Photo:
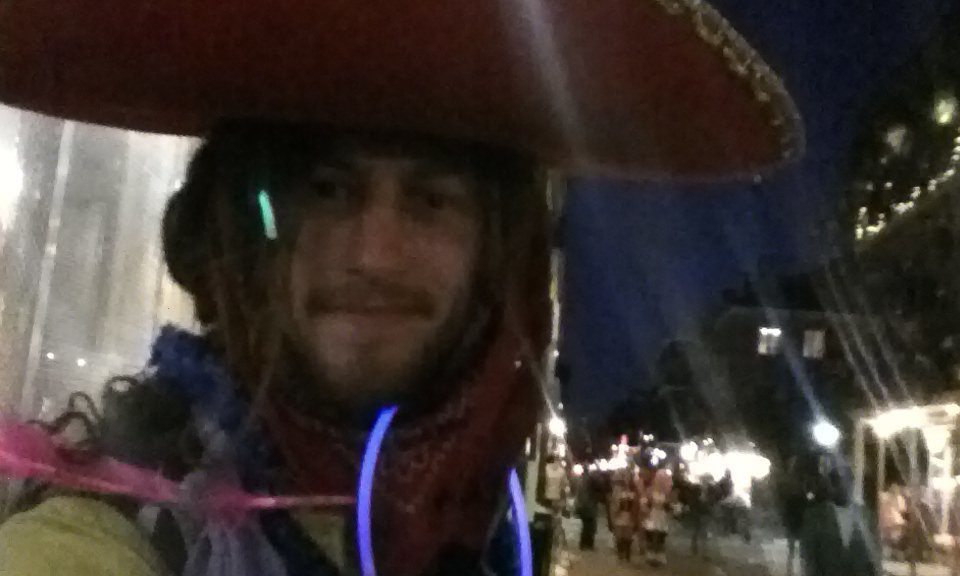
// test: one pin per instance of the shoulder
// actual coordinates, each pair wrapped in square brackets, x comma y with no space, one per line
[75,535]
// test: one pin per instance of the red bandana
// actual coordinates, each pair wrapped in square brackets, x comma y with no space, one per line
[439,481]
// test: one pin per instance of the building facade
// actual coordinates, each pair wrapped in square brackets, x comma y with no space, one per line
[83,288]
[784,362]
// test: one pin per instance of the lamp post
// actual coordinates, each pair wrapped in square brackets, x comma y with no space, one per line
[826,434]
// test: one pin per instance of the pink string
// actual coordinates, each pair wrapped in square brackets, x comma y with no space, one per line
[28,451]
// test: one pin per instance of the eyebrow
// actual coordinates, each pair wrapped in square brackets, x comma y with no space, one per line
[340,163]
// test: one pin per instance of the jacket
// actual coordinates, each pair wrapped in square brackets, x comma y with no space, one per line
[822,547]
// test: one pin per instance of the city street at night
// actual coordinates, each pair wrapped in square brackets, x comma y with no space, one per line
[730,557]
[464,288]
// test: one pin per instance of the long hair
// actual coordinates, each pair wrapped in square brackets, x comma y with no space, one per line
[216,249]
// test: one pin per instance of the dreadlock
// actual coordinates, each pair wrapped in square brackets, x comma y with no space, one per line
[215,247]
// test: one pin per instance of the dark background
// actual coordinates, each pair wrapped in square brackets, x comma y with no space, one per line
[646,261]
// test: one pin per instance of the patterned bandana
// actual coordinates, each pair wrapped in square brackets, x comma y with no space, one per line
[441,479]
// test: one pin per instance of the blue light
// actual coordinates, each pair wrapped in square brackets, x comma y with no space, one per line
[365,490]
[520,525]
[266,215]
[368,468]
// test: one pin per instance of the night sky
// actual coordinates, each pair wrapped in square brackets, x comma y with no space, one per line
[645,261]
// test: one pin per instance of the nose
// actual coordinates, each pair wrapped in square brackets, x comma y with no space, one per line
[379,239]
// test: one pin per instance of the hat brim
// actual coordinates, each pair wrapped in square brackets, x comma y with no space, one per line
[643,88]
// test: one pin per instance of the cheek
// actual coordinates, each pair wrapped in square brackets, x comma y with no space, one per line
[298,283]
[318,246]
[448,264]
[307,259]
[318,243]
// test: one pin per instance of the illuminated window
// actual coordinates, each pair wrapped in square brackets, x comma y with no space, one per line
[896,138]
[945,108]
[813,344]
[769,342]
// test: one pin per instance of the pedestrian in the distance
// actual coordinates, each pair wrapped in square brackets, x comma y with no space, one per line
[919,524]
[624,511]
[700,507]
[587,509]
[837,538]
[657,524]
[555,484]
[793,498]
[892,519]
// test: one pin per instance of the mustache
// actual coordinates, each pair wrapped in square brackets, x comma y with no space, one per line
[368,296]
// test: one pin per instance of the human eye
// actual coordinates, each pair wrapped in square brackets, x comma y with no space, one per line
[440,194]
[331,185]
[435,198]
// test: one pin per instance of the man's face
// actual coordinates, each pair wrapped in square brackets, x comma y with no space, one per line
[382,270]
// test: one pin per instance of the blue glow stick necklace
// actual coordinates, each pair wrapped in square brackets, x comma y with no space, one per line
[368,467]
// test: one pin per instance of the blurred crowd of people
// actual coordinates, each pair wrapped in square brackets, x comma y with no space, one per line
[828,533]
[639,506]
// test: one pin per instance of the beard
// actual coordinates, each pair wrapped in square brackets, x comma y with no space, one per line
[429,373]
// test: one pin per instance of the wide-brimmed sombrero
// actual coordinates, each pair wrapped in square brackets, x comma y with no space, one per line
[631,87]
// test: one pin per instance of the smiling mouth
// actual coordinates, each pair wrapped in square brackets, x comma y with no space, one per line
[372,310]
[378,316]
[366,323]
[360,305]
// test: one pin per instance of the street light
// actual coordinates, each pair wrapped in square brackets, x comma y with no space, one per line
[557,426]
[826,434]
[688,452]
